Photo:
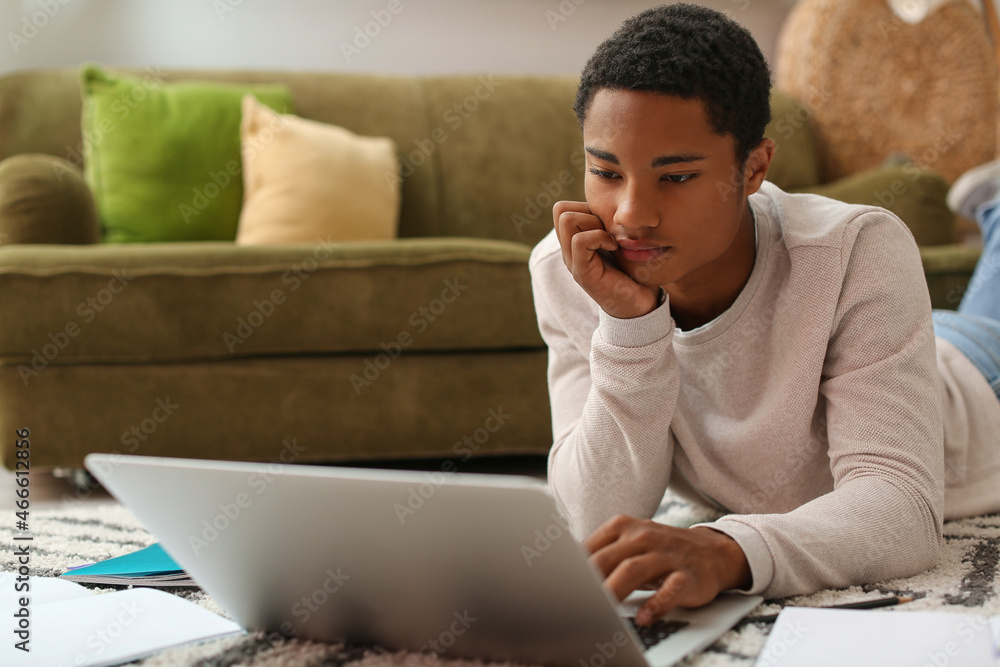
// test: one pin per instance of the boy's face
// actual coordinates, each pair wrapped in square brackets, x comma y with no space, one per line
[659,176]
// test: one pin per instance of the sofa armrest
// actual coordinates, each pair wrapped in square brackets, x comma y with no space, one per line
[44,199]
[915,195]
[948,269]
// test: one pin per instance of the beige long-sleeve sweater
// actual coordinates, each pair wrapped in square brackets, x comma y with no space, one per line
[817,410]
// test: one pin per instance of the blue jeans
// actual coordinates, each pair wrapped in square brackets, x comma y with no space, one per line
[975,327]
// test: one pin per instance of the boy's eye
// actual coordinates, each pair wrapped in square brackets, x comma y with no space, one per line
[672,178]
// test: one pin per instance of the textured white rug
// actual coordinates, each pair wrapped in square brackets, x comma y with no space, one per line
[965,581]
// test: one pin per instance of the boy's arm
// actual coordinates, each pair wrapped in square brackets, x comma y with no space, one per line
[612,396]
[883,519]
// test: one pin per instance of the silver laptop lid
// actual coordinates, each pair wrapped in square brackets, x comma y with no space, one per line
[465,565]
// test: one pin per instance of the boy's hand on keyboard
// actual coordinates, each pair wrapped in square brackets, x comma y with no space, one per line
[688,567]
[586,250]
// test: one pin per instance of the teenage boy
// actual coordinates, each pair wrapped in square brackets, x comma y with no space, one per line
[769,355]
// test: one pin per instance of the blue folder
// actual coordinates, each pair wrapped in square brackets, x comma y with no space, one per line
[151,566]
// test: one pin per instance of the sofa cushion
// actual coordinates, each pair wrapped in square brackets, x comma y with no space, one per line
[795,163]
[163,159]
[304,180]
[508,147]
[44,199]
[948,269]
[190,301]
[915,195]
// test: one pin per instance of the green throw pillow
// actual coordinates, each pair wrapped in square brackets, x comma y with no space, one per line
[163,159]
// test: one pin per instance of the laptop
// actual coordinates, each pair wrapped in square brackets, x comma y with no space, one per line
[459,564]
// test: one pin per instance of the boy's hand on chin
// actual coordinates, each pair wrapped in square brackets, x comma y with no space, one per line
[689,567]
[581,235]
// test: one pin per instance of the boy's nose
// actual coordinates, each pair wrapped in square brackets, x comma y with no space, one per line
[634,210]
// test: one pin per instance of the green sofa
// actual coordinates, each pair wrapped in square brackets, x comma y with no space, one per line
[425,346]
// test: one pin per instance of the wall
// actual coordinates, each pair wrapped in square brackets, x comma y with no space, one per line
[422,37]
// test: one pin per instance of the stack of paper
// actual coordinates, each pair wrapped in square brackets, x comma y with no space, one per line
[151,566]
[66,624]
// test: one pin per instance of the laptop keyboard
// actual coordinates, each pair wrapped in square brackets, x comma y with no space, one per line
[651,635]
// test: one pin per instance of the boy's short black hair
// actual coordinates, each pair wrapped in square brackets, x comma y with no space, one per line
[690,52]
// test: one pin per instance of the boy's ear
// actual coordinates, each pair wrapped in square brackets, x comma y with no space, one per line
[757,164]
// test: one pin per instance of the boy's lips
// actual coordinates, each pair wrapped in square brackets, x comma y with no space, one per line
[640,251]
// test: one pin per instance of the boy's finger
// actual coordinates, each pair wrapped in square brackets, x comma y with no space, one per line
[665,598]
[607,558]
[609,532]
[584,247]
[634,572]
[571,223]
[561,207]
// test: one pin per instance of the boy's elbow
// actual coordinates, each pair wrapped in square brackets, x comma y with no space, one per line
[923,549]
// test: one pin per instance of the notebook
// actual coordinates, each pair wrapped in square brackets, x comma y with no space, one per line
[151,566]
[68,625]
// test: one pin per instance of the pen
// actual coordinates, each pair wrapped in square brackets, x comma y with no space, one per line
[864,604]
[872,604]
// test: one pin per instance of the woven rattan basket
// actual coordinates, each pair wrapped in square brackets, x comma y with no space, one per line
[875,85]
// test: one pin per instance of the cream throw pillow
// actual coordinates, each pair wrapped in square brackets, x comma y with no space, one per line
[306,181]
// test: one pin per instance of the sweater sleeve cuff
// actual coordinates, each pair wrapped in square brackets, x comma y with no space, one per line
[637,331]
[754,547]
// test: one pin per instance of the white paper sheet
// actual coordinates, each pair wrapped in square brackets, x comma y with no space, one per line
[73,627]
[43,589]
[834,637]
[995,624]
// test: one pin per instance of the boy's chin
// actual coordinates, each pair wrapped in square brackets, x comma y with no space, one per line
[642,275]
